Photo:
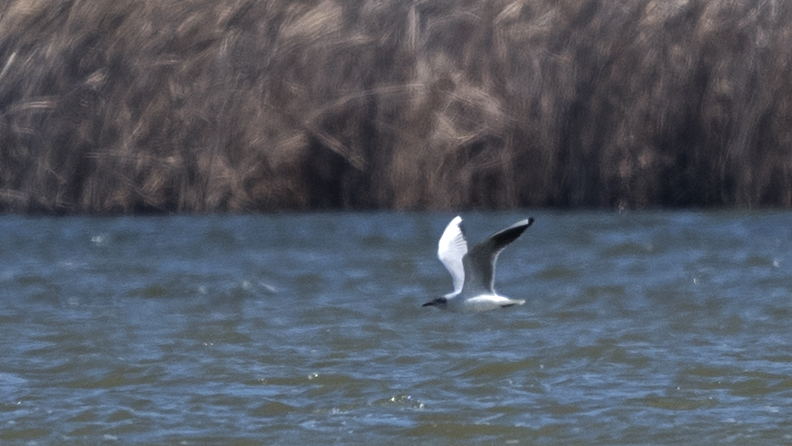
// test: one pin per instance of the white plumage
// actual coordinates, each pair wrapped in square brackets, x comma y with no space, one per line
[473,271]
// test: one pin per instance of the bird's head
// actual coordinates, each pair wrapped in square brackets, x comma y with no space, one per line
[440,302]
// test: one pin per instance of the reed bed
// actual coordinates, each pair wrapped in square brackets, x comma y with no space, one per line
[140,106]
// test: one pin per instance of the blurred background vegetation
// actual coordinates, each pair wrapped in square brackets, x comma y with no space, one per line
[130,106]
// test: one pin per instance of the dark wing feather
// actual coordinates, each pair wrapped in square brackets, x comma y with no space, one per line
[480,261]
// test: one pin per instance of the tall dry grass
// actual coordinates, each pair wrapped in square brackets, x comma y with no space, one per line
[258,105]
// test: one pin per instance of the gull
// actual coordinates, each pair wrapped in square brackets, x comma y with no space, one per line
[473,272]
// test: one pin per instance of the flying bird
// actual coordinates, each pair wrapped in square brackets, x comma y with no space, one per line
[473,271]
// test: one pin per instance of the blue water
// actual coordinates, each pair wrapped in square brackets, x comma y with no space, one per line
[638,328]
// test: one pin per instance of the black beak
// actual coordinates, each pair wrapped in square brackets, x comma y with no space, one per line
[430,304]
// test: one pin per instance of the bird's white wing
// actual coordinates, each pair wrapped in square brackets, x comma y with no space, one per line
[451,249]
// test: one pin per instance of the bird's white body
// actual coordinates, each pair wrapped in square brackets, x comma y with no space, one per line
[473,272]
[460,304]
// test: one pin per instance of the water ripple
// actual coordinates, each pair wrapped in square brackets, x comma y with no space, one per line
[658,327]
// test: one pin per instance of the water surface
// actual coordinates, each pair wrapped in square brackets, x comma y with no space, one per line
[639,328]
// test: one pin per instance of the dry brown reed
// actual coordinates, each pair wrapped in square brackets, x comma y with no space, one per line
[247,105]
